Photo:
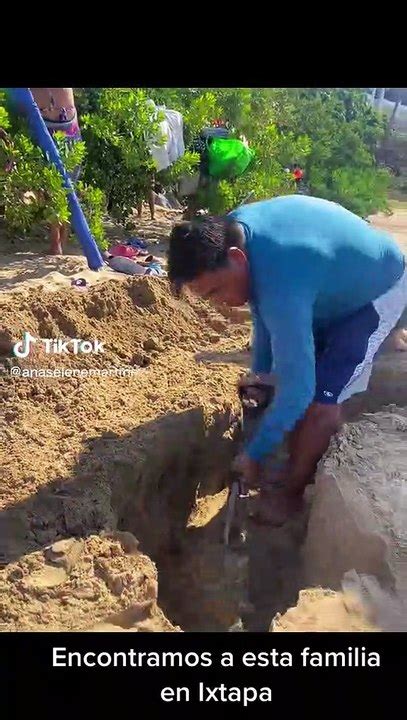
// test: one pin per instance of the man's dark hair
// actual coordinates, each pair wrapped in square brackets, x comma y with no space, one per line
[197,247]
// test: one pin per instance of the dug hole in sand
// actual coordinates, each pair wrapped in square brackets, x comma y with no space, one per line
[113,488]
[148,454]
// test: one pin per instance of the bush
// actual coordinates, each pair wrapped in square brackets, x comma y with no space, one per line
[332,133]
[118,136]
[363,191]
[259,116]
[344,132]
[93,203]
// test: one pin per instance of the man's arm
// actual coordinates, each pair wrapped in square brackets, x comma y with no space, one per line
[262,358]
[288,319]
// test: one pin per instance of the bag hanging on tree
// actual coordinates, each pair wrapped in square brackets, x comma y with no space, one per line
[228,157]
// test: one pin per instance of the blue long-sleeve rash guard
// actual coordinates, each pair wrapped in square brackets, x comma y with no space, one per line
[311,262]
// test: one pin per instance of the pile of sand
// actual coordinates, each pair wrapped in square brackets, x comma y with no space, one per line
[76,584]
[136,320]
[50,423]
[321,610]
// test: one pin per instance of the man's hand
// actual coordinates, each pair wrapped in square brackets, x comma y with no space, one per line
[248,469]
[252,384]
[255,379]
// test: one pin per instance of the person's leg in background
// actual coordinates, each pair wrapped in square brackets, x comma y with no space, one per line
[64,233]
[57,107]
[59,235]
[151,204]
[56,240]
[150,199]
[59,232]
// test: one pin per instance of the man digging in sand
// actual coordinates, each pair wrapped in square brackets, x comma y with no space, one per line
[325,289]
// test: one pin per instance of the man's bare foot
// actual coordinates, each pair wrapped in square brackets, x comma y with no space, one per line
[277,505]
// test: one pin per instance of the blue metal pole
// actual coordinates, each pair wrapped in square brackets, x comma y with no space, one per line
[25,103]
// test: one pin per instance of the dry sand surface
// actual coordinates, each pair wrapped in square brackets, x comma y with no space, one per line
[147,455]
[25,266]
[320,610]
[395,224]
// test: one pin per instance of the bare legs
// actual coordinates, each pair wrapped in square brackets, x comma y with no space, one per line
[309,441]
[58,236]
[282,495]
[399,339]
[151,204]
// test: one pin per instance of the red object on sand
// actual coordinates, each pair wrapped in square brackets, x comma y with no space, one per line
[124,251]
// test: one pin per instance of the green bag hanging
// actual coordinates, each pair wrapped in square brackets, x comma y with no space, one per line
[228,157]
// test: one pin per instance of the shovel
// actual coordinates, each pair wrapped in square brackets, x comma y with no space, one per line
[236,506]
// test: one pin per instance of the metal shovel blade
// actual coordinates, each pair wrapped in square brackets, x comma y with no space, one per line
[230,511]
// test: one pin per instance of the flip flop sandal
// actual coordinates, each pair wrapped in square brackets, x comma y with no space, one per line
[124,251]
[148,260]
[137,243]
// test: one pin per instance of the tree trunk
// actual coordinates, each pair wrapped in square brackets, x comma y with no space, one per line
[380,98]
[392,121]
[390,127]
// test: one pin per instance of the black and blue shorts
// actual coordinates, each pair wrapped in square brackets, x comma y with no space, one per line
[346,349]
